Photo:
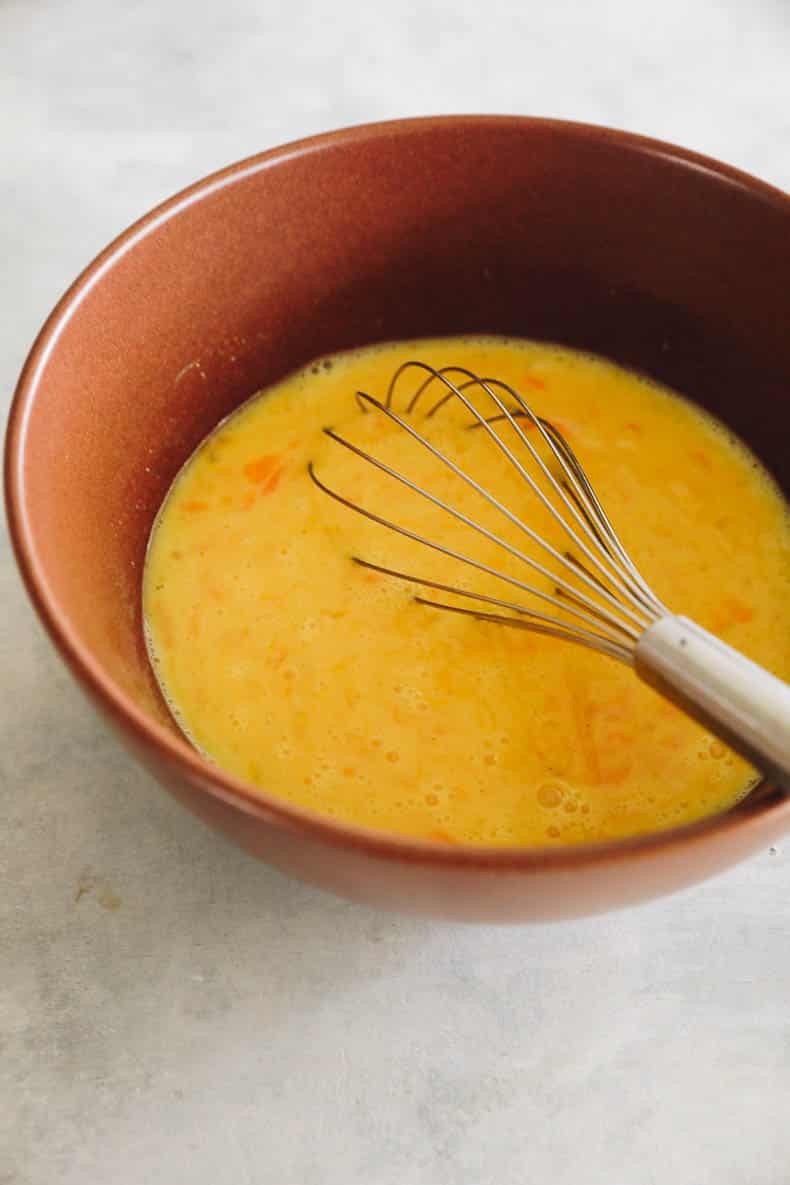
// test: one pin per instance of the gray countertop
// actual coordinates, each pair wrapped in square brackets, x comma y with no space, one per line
[173,1011]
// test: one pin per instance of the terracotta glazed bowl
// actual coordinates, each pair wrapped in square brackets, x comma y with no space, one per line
[653,256]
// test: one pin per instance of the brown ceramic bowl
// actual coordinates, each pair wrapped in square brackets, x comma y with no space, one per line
[656,257]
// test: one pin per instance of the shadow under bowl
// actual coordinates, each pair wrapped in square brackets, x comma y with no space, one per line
[653,256]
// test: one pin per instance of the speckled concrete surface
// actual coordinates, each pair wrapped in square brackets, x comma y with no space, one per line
[172,1011]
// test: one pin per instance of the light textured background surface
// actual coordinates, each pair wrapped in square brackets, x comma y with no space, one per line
[172,1011]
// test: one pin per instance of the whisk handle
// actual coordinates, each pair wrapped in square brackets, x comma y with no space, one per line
[732,696]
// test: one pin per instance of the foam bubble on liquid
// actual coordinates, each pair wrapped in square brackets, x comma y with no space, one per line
[550,794]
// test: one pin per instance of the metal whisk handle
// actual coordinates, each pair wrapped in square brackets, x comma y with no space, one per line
[728,693]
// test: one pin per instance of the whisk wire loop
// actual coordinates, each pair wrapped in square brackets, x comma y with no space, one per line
[609,605]
[626,626]
[588,513]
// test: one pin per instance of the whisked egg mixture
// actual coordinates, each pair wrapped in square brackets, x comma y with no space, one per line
[326,684]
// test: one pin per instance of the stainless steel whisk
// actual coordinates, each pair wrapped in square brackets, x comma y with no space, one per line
[606,604]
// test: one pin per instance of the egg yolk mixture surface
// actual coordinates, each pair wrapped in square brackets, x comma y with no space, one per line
[326,684]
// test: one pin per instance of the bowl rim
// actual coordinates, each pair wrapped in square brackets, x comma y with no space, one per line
[144,728]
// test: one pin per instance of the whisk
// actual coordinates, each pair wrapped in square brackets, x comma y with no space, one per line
[596,596]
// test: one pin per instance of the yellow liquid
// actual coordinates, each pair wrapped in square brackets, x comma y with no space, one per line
[327,685]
